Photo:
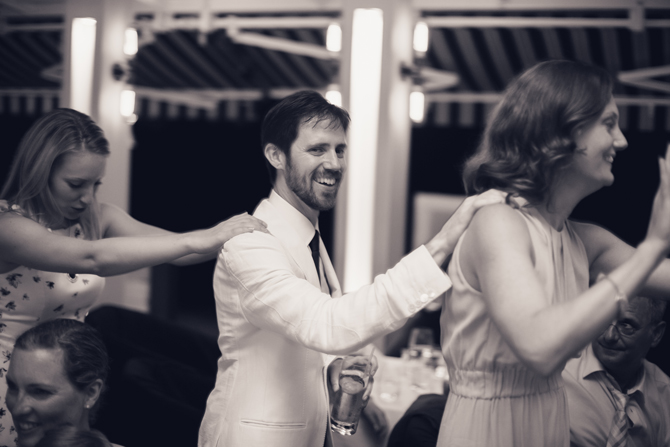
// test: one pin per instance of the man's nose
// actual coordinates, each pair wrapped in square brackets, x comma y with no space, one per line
[611,334]
[333,161]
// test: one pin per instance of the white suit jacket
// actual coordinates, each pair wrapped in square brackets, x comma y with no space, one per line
[275,323]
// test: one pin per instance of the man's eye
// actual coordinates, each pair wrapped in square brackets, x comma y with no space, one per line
[626,328]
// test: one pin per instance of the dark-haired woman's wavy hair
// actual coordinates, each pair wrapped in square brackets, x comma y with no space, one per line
[529,138]
[59,132]
[85,358]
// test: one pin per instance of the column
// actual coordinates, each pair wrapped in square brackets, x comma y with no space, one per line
[101,100]
[370,218]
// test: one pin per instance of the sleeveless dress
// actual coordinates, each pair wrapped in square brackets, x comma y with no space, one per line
[28,297]
[495,400]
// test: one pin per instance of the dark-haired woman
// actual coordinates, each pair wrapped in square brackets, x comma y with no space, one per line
[521,304]
[57,241]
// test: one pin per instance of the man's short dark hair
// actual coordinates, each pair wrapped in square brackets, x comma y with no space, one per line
[282,122]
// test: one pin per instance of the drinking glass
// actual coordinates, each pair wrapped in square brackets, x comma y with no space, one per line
[348,401]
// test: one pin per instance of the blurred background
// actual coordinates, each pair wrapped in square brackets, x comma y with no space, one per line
[181,86]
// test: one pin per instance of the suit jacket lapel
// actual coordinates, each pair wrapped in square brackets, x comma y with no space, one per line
[295,248]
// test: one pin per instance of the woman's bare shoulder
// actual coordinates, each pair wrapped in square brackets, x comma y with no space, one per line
[495,232]
[9,219]
[496,218]
[111,217]
[496,229]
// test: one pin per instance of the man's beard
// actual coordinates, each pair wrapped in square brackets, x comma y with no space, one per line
[305,191]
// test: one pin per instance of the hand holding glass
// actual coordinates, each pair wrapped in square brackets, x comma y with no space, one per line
[353,392]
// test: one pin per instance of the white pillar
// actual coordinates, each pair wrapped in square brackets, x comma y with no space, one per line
[379,230]
[112,18]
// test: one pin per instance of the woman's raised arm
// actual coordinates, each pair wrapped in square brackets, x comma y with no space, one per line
[498,259]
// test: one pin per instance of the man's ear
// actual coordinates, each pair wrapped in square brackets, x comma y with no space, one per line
[657,333]
[275,156]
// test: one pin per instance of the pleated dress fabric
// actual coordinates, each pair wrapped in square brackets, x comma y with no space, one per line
[495,401]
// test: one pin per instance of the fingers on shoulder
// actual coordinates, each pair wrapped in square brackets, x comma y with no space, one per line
[496,214]
[490,197]
[252,250]
[252,241]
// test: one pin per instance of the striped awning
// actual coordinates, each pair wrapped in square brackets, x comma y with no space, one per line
[191,74]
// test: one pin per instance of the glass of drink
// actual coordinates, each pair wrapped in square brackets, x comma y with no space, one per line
[348,401]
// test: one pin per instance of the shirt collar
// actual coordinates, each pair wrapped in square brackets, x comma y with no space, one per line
[591,366]
[301,224]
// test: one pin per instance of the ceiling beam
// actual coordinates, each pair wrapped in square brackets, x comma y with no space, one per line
[493,98]
[288,6]
[529,5]
[538,22]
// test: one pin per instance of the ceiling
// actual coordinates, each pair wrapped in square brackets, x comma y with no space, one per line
[186,70]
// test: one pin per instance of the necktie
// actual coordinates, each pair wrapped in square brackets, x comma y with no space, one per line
[618,435]
[314,246]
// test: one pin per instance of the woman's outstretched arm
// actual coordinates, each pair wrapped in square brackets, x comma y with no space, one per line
[118,223]
[25,242]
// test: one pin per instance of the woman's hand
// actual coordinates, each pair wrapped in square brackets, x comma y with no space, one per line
[444,242]
[659,223]
[212,239]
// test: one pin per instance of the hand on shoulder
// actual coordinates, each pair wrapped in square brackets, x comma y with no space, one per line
[443,244]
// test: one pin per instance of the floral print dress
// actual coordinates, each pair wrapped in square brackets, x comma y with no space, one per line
[28,297]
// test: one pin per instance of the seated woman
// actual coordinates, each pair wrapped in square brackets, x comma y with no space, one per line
[57,241]
[56,377]
[526,296]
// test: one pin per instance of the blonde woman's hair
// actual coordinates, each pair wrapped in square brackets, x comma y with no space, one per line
[59,132]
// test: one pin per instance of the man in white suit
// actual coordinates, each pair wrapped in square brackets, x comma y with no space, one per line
[279,303]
